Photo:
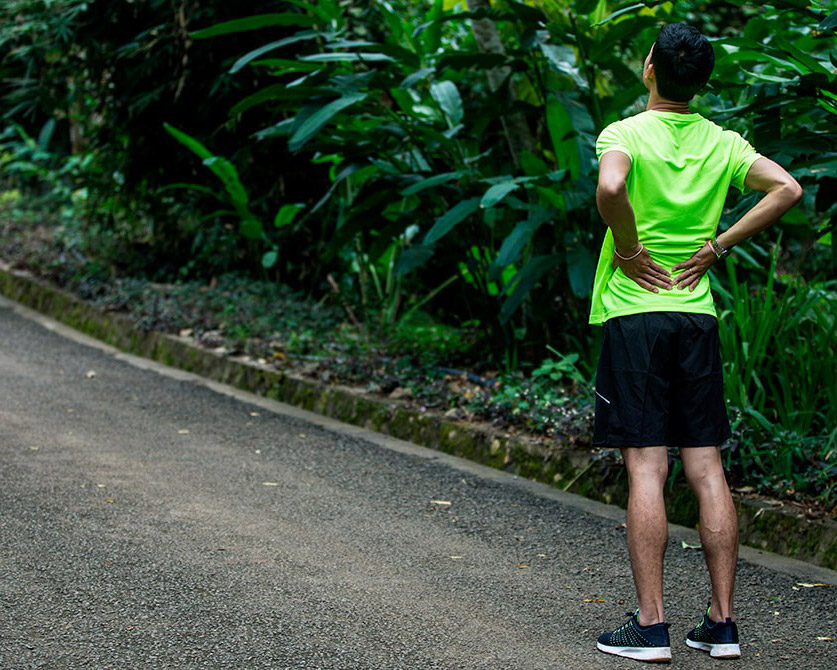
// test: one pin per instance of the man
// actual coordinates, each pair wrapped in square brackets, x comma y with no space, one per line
[663,177]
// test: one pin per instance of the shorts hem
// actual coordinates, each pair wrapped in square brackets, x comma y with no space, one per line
[615,444]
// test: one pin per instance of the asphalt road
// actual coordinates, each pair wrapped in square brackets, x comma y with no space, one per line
[151,522]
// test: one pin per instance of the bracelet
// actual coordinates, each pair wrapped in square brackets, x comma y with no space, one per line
[628,258]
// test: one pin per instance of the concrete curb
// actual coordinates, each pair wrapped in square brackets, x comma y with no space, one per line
[761,526]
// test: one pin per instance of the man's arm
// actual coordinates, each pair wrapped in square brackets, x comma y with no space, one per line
[783,192]
[615,208]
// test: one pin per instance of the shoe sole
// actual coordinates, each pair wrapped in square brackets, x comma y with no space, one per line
[716,650]
[650,654]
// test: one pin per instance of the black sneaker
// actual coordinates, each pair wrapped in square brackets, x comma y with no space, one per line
[643,643]
[719,638]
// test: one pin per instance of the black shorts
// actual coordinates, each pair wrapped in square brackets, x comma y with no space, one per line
[659,382]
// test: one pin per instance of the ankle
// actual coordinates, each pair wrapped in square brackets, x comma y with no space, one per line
[718,614]
[653,616]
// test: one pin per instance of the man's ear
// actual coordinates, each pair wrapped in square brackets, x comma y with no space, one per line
[650,71]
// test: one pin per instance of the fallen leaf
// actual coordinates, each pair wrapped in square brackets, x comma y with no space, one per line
[110,501]
[686,545]
[302,434]
[254,414]
[34,448]
[90,374]
[522,565]
[825,639]
[270,483]
[592,600]
[811,586]
[541,555]
[456,558]
[185,332]
[440,502]
[183,431]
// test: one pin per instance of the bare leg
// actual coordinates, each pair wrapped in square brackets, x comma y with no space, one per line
[647,528]
[718,524]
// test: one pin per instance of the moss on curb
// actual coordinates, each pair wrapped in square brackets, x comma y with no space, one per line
[761,525]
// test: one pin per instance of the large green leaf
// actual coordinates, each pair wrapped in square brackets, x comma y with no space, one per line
[514,243]
[433,34]
[226,172]
[561,131]
[447,96]
[272,46]
[445,223]
[562,59]
[286,214]
[580,268]
[188,141]
[320,118]
[829,22]
[268,93]
[254,23]
[413,257]
[346,56]
[620,12]
[497,192]
[525,280]
[435,180]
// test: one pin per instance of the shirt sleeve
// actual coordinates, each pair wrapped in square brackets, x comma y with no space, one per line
[742,156]
[613,138]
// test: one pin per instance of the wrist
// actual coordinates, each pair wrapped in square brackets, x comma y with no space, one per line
[632,255]
[717,248]
[627,248]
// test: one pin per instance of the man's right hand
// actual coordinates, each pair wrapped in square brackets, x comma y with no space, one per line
[643,270]
[692,270]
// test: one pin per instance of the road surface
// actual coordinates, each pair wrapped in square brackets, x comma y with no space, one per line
[149,521]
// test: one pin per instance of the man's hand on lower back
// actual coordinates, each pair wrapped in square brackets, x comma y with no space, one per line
[644,271]
[692,270]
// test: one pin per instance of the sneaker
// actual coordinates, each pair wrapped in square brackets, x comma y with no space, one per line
[643,643]
[719,638]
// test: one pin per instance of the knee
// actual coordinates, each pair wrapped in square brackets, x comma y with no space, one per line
[648,475]
[706,478]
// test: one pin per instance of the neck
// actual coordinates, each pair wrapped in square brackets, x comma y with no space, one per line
[656,103]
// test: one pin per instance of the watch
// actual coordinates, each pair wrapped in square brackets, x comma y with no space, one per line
[720,252]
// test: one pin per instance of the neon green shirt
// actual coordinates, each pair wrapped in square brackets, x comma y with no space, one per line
[681,168]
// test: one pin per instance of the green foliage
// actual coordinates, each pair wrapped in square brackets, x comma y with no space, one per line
[551,401]
[779,348]
[426,171]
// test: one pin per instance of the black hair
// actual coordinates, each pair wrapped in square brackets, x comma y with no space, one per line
[683,60]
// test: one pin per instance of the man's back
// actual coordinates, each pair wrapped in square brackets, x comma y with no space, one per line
[681,168]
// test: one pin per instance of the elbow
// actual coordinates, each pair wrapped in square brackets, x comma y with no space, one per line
[611,190]
[794,192]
